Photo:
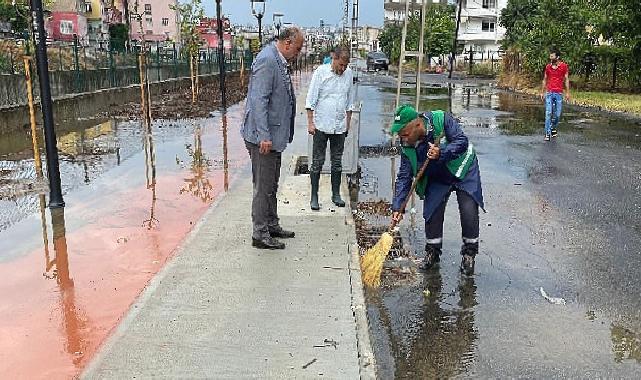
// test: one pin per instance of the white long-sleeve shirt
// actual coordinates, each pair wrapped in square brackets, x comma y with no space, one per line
[330,96]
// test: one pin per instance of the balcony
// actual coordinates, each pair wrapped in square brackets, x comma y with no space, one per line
[480,12]
[479,35]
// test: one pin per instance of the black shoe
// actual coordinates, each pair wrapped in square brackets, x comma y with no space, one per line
[467,265]
[555,133]
[267,243]
[432,256]
[546,138]
[336,189]
[469,252]
[281,233]
[315,179]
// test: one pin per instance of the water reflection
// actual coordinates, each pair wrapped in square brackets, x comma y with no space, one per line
[199,184]
[57,268]
[225,153]
[429,336]
[150,175]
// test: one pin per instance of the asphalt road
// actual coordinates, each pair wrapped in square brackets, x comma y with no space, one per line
[562,215]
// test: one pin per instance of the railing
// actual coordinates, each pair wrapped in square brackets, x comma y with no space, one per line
[76,69]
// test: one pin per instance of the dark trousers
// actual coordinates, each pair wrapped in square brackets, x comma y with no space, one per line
[469,213]
[265,177]
[336,147]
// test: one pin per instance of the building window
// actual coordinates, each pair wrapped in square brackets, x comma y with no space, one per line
[488,26]
[489,4]
[150,22]
[147,9]
[66,27]
[165,21]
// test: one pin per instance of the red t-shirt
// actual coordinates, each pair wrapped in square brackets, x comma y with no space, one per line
[556,77]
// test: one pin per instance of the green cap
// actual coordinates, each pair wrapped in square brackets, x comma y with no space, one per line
[403,115]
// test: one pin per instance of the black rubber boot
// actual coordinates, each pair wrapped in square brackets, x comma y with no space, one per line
[432,256]
[469,252]
[315,179]
[336,189]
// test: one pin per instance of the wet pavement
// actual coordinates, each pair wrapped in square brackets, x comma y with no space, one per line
[132,196]
[562,216]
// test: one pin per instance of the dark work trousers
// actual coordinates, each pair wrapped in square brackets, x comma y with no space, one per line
[265,177]
[469,213]
[336,147]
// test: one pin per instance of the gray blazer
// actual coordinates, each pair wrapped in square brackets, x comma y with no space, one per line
[271,103]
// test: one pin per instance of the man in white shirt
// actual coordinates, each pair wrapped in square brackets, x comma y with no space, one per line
[330,102]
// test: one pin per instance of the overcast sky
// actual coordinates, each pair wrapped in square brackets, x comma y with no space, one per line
[299,12]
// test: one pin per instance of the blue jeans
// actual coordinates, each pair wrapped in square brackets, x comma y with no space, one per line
[553,106]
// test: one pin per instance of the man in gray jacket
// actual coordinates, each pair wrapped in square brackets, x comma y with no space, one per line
[267,129]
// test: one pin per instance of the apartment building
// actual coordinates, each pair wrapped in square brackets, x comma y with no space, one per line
[68,20]
[479,29]
[395,9]
[159,21]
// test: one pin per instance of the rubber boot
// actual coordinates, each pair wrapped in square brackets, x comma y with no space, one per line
[432,256]
[469,252]
[336,189]
[315,179]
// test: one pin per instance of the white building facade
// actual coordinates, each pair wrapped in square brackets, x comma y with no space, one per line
[479,30]
[395,9]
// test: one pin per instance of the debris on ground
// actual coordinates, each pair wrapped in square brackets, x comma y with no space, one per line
[552,300]
[178,105]
[310,363]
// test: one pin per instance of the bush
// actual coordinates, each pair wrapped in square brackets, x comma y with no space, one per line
[484,70]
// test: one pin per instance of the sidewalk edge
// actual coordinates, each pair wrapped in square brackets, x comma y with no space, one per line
[366,359]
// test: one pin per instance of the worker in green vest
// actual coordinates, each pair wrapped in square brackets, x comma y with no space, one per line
[453,167]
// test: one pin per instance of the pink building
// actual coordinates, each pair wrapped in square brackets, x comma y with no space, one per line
[208,30]
[68,19]
[159,22]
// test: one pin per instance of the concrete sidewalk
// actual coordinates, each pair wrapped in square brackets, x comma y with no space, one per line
[222,309]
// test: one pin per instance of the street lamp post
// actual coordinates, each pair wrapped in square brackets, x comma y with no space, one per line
[258,10]
[221,57]
[278,22]
[53,164]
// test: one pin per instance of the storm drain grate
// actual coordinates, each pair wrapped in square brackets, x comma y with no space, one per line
[372,220]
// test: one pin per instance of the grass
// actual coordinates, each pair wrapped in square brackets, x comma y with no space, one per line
[630,103]
[608,101]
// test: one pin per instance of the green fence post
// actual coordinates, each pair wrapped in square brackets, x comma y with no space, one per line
[76,64]
[112,69]
[175,58]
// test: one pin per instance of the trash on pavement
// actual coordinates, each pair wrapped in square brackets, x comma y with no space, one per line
[553,300]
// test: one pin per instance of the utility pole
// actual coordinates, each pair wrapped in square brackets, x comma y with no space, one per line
[53,164]
[458,24]
[221,57]
[345,18]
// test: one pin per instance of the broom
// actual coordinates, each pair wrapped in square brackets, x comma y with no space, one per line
[373,259]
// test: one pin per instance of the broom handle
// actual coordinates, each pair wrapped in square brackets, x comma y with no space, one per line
[419,175]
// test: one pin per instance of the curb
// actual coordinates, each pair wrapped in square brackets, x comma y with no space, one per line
[366,358]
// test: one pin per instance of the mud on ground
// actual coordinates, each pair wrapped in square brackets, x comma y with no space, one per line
[178,105]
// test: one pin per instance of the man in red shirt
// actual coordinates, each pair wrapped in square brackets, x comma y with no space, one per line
[556,74]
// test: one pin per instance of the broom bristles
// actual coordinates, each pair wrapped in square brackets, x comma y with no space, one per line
[372,261]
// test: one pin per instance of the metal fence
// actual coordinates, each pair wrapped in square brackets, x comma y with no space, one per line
[77,69]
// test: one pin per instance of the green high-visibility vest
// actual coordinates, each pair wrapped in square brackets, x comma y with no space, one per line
[458,166]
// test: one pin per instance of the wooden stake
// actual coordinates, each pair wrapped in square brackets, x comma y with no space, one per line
[193,82]
[32,117]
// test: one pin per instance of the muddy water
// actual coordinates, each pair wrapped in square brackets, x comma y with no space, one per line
[562,216]
[132,195]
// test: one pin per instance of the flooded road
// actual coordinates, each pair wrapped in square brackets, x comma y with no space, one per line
[132,196]
[562,216]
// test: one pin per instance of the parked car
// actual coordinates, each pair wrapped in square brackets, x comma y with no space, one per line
[377,60]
